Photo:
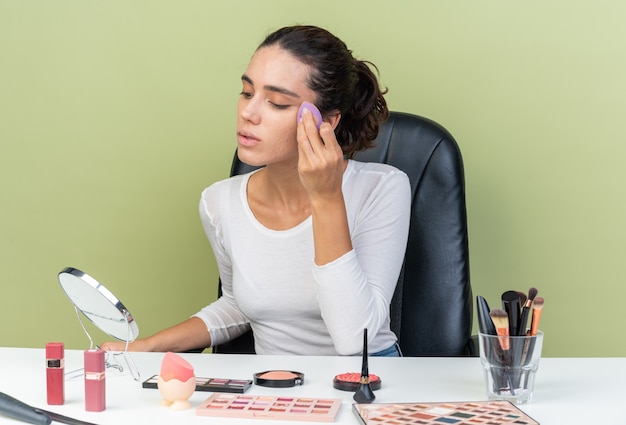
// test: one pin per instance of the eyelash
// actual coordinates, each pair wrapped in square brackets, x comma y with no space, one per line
[248,95]
[279,107]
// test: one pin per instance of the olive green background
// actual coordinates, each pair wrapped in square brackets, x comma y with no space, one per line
[114,115]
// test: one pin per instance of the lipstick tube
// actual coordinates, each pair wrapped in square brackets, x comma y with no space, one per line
[55,369]
[95,382]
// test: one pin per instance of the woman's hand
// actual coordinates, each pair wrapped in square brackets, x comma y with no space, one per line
[114,346]
[187,335]
[321,162]
[321,166]
[121,346]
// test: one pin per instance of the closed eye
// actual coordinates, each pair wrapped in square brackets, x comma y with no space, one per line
[278,105]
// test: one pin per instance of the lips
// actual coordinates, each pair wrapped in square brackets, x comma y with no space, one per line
[247,139]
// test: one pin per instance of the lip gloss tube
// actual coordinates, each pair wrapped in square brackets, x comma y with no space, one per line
[55,368]
[95,382]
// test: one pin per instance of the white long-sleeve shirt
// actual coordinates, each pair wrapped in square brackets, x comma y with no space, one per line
[271,283]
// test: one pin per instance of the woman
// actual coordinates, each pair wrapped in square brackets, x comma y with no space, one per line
[309,247]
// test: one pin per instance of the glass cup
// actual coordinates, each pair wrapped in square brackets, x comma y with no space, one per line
[510,365]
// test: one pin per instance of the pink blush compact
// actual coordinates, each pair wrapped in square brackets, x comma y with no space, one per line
[350,381]
[278,378]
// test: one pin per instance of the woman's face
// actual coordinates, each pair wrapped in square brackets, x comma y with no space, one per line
[274,86]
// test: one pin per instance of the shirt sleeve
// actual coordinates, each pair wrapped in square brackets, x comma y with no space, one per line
[223,318]
[355,290]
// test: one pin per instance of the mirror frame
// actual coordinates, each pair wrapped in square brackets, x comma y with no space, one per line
[133,329]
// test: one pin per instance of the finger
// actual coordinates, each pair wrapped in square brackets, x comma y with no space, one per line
[304,146]
[311,146]
[329,139]
[311,130]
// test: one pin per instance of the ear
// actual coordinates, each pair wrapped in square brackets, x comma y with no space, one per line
[333,118]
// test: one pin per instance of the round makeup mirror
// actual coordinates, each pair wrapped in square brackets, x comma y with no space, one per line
[105,311]
[98,304]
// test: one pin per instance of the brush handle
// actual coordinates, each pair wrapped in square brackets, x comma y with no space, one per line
[523,321]
[496,356]
[510,304]
[534,324]
[364,366]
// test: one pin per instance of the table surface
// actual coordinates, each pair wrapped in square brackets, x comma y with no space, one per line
[567,390]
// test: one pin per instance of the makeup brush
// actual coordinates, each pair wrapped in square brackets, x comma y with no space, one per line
[537,309]
[485,324]
[532,293]
[364,393]
[510,303]
[529,344]
[501,322]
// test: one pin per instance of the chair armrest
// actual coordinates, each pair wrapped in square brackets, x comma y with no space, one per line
[472,346]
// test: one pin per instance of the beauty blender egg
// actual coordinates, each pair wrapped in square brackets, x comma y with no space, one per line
[316,113]
[175,367]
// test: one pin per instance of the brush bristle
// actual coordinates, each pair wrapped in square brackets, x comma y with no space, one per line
[532,293]
[538,303]
[500,318]
[522,298]
[501,322]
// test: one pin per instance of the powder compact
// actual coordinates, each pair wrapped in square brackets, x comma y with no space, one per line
[278,378]
[350,381]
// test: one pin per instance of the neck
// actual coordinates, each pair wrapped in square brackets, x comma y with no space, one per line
[277,198]
[281,185]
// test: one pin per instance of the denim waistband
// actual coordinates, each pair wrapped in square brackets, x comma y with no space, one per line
[393,351]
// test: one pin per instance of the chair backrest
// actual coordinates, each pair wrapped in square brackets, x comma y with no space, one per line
[431,311]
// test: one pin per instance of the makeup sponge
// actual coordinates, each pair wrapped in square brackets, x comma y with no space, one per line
[175,367]
[316,113]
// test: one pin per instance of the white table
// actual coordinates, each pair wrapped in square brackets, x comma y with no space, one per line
[568,391]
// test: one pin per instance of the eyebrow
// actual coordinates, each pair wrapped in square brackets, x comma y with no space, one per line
[276,89]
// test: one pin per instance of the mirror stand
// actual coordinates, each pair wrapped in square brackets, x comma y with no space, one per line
[110,359]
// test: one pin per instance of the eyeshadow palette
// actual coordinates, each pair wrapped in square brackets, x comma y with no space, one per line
[270,407]
[209,384]
[458,413]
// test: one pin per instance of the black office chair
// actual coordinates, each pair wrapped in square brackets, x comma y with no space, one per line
[431,311]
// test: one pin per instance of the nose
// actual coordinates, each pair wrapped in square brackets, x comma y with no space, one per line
[249,110]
